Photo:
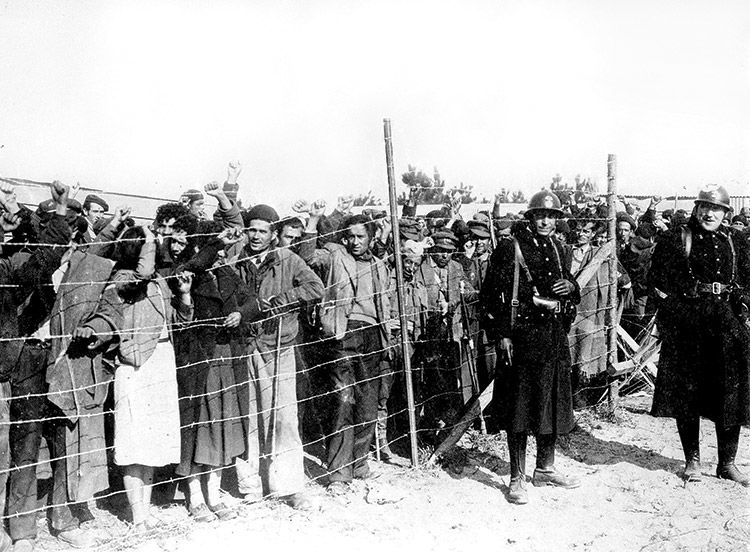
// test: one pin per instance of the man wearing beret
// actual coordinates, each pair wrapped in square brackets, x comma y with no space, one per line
[278,283]
[701,276]
[195,202]
[94,209]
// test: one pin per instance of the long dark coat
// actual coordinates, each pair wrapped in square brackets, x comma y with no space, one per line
[210,400]
[534,393]
[704,365]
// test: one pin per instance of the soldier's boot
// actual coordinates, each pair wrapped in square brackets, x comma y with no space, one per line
[545,473]
[517,493]
[689,430]
[728,439]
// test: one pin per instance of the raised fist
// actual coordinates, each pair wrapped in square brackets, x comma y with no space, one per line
[59,192]
[213,189]
[301,206]
[233,171]
[230,236]
[318,208]
[9,222]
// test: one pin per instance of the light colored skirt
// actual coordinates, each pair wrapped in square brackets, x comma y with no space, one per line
[147,419]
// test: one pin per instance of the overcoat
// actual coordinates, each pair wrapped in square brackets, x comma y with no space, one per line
[533,392]
[704,364]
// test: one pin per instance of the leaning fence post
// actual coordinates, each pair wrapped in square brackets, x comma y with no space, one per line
[400,291]
[613,391]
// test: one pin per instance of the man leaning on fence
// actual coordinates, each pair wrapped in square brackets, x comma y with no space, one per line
[701,273]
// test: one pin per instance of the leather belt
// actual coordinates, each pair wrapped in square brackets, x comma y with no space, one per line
[714,288]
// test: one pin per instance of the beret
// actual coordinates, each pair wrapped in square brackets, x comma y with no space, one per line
[622,216]
[193,195]
[262,212]
[93,198]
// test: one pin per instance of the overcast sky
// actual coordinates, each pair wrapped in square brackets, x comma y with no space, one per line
[155,97]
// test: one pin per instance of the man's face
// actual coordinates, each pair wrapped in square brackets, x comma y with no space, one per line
[178,241]
[738,226]
[585,233]
[164,227]
[260,235]
[544,222]
[442,258]
[289,236]
[624,231]
[411,265]
[197,208]
[709,216]
[94,213]
[357,240]
[482,245]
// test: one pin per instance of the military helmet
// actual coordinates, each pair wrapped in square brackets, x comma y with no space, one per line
[544,201]
[715,195]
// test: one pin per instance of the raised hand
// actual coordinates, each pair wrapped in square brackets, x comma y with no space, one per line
[301,206]
[8,197]
[59,192]
[9,221]
[318,208]
[345,203]
[121,213]
[213,189]
[230,236]
[233,171]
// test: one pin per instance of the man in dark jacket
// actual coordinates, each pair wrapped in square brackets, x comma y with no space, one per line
[702,278]
[529,294]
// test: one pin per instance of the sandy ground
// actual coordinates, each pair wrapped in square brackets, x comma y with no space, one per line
[631,498]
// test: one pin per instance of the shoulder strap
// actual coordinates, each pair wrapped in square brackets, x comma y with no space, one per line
[734,259]
[687,240]
[514,300]
[522,261]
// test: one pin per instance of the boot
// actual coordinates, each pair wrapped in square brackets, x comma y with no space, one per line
[545,472]
[728,439]
[517,493]
[689,430]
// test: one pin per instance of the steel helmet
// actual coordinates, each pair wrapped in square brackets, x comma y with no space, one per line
[715,195]
[544,201]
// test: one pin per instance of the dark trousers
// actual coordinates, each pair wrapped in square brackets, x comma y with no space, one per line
[25,440]
[354,377]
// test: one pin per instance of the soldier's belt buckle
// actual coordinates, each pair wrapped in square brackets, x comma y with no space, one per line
[514,303]
[716,288]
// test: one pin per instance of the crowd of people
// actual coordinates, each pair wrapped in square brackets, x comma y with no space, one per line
[194,346]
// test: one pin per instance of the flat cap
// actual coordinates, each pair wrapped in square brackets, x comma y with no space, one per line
[445,240]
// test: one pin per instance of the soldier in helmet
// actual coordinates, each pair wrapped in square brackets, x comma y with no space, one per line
[531,297]
[701,273]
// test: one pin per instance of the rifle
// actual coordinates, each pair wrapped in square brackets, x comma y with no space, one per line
[469,342]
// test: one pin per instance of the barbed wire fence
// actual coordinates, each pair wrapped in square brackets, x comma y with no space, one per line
[424,404]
